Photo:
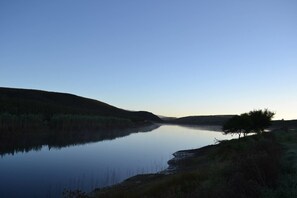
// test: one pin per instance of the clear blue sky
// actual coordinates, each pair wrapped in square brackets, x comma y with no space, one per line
[173,58]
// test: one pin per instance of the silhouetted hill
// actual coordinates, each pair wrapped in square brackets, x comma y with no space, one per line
[26,101]
[289,124]
[202,120]
[221,119]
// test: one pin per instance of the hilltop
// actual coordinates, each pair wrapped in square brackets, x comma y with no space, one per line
[27,101]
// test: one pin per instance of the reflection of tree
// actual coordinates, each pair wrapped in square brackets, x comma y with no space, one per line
[59,139]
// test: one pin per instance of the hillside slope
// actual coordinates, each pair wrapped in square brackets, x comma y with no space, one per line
[26,101]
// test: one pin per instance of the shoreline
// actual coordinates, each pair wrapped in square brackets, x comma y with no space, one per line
[210,170]
[177,164]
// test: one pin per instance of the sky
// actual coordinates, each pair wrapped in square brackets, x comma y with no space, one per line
[170,57]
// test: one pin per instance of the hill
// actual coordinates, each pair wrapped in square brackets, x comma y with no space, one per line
[284,124]
[31,111]
[32,118]
[221,119]
[26,101]
[202,120]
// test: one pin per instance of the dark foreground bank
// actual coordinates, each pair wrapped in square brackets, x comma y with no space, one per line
[255,166]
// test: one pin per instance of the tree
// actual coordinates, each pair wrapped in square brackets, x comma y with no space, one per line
[254,121]
[260,120]
[238,124]
[231,126]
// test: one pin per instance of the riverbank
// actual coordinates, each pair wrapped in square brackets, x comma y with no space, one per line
[254,166]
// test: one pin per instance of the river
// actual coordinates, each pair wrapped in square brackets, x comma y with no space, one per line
[48,170]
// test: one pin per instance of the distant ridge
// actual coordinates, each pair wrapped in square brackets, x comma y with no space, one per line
[221,119]
[29,101]
[284,124]
[202,120]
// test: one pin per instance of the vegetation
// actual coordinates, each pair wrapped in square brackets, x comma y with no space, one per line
[287,183]
[47,104]
[260,120]
[29,118]
[11,125]
[253,122]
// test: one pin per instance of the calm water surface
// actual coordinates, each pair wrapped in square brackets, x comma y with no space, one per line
[48,171]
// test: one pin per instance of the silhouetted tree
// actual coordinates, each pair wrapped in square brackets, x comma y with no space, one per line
[239,124]
[254,121]
[260,120]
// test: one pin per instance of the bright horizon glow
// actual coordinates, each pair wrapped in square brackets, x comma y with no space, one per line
[169,57]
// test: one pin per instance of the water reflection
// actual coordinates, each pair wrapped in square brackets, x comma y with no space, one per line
[58,139]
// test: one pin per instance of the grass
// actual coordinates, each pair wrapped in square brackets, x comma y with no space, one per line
[287,184]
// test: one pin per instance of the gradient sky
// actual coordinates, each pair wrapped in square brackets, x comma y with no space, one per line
[170,57]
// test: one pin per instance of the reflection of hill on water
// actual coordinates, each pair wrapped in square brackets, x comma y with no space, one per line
[60,139]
